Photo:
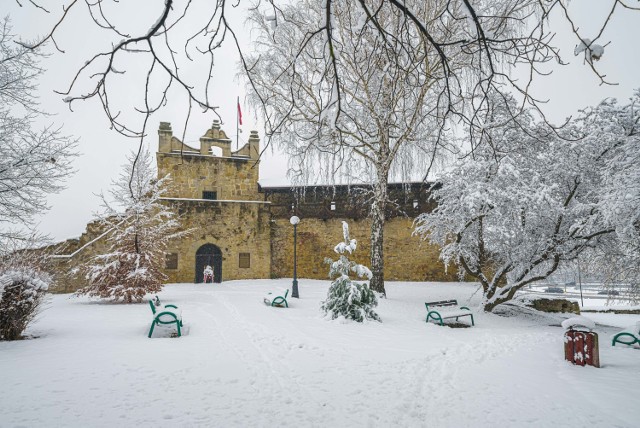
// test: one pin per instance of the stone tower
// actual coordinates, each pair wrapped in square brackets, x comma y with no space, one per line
[215,192]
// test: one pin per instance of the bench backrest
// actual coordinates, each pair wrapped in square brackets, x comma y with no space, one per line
[441,303]
[286,293]
[153,303]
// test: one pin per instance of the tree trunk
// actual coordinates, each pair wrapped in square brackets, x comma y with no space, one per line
[377,233]
[490,306]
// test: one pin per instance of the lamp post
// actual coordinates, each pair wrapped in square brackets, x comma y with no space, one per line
[294,290]
[580,283]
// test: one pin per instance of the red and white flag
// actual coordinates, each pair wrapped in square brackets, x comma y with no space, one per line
[239,112]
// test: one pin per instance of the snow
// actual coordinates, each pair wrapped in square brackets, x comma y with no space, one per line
[243,364]
[592,50]
[582,46]
[349,245]
[578,322]
[35,281]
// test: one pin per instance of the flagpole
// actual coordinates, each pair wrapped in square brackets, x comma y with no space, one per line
[237,124]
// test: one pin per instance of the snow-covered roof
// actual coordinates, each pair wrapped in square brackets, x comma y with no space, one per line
[281,183]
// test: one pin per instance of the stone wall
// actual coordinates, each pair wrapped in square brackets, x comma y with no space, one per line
[234,227]
[68,260]
[345,202]
[407,258]
[191,174]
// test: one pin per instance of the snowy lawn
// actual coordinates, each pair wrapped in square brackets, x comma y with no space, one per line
[244,364]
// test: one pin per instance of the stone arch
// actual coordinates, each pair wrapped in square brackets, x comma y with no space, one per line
[208,254]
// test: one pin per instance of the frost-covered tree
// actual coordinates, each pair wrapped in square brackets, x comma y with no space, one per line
[33,163]
[524,202]
[613,130]
[23,285]
[366,112]
[346,298]
[140,227]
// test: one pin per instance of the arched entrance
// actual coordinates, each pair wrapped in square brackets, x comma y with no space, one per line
[209,255]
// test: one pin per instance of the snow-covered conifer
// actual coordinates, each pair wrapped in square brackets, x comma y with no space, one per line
[347,298]
[140,231]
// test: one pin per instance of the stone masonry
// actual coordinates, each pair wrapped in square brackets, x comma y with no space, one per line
[243,230]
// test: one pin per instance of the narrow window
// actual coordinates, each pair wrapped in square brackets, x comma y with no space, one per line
[415,203]
[171,261]
[209,194]
[333,206]
[245,260]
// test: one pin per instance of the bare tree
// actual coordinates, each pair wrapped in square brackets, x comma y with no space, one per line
[33,163]
[171,35]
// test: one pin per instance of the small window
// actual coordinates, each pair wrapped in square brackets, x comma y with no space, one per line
[415,203]
[245,260]
[333,206]
[171,261]
[210,194]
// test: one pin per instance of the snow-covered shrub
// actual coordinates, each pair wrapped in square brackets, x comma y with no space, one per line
[140,230]
[22,290]
[346,298]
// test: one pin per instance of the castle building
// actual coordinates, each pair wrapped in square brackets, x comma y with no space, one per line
[242,229]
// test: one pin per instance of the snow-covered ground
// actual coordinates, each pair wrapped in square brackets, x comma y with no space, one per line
[243,364]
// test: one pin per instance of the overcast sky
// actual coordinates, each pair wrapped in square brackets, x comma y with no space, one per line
[103,150]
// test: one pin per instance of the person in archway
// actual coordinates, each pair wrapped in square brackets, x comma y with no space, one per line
[208,274]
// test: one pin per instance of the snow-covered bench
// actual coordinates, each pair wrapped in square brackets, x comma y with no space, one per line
[165,314]
[439,311]
[277,298]
[629,336]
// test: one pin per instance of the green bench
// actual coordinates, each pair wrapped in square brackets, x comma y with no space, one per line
[440,311]
[630,336]
[165,314]
[277,298]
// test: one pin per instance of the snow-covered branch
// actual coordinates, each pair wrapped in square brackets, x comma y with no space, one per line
[33,163]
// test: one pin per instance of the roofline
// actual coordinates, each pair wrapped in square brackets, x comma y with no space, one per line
[234,201]
[198,154]
[262,188]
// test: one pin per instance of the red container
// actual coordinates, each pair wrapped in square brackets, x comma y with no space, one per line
[581,348]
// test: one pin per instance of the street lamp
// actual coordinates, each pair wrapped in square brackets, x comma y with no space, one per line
[294,290]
